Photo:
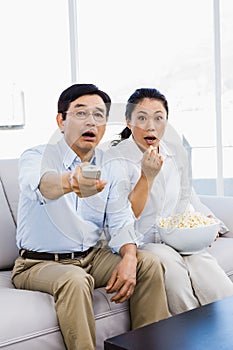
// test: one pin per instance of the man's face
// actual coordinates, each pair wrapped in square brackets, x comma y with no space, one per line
[85,124]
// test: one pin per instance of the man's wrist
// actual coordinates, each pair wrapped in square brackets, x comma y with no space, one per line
[129,250]
[67,182]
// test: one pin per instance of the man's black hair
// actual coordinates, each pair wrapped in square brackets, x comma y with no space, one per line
[77,90]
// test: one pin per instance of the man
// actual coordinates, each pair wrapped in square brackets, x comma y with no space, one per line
[59,249]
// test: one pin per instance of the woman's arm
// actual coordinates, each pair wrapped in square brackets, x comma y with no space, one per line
[150,167]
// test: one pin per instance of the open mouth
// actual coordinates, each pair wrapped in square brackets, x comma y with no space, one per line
[89,135]
[150,139]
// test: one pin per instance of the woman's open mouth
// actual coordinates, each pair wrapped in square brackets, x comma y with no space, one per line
[150,140]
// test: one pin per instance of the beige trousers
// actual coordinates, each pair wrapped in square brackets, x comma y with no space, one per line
[71,283]
[191,280]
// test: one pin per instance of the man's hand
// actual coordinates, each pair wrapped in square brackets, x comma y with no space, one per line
[85,187]
[123,279]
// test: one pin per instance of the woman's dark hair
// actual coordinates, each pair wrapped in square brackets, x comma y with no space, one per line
[77,90]
[134,99]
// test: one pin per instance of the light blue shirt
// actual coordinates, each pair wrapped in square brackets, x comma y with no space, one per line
[69,223]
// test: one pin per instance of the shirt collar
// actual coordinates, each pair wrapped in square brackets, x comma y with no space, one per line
[70,157]
[165,150]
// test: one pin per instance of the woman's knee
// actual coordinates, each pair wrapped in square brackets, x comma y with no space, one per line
[166,254]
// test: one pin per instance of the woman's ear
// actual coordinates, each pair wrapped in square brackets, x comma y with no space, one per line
[128,123]
[60,122]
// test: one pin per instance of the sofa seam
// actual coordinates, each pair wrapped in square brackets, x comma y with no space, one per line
[110,313]
[29,336]
[8,202]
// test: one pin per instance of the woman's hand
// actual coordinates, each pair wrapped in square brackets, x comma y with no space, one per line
[150,166]
[217,236]
[151,163]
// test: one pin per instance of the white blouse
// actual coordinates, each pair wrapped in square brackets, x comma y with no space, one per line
[172,190]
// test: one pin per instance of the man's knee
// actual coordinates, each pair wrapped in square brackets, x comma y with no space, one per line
[76,281]
[148,259]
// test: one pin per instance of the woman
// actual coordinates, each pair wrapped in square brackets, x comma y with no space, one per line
[155,176]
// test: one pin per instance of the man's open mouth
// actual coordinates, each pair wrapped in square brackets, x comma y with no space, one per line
[88,135]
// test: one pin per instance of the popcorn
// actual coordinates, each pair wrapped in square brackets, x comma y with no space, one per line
[153,149]
[187,220]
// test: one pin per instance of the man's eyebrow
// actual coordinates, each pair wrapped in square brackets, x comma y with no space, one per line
[100,109]
[83,105]
[80,105]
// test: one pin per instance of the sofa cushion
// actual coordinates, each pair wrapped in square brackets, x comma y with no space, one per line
[27,315]
[218,249]
[5,280]
[8,249]
[9,179]
[39,324]
[110,318]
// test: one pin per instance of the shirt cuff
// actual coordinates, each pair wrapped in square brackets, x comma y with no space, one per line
[124,236]
[223,228]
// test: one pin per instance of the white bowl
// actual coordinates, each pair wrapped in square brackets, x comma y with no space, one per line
[189,240]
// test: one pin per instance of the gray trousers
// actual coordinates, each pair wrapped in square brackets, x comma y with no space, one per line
[71,283]
[191,280]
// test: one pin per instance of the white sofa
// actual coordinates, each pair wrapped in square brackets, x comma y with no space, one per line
[28,318]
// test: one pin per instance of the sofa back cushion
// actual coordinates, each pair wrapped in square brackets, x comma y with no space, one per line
[9,193]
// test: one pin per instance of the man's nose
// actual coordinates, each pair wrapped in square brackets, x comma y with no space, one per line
[90,120]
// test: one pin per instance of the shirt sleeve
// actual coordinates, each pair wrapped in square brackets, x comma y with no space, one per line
[120,220]
[31,169]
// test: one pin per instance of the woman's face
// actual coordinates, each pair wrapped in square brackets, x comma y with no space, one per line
[148,123]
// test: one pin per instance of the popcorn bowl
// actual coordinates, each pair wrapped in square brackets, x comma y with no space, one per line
[188,240]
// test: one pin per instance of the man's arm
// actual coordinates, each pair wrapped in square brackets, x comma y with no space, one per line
[53,185]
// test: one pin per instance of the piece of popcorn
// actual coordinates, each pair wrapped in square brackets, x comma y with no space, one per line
[186,220]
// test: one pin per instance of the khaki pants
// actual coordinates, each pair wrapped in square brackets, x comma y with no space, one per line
[71,283]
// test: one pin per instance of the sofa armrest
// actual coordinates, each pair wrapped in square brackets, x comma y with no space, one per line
[222,207]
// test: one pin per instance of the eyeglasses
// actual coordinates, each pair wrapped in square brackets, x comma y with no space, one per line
[82,114]
[144,119]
